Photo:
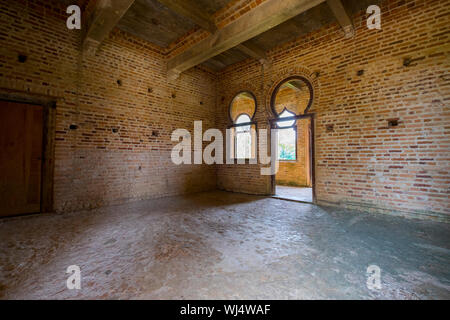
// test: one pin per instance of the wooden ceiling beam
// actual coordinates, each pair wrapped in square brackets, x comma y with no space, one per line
[219,65]
[253,50]
[294,85]
[342,17]
[256,21]
[191,10]
[106,15]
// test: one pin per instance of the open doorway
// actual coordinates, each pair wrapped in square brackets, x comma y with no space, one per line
[293,180]
[290,102]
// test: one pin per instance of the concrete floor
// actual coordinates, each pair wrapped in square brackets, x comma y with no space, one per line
[294,193]
[222,245]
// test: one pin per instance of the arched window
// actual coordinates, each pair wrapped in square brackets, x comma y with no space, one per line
[291,98]
[242,120]
[294,94]
[287,138]
[243,138]
[286,123]
[243,129]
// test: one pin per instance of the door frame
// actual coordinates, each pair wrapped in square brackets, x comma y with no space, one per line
[48,143]
[311,151]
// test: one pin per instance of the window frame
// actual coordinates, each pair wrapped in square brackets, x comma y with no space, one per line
[233,125]
[274,122]
[230,105]
[236,133]
[294,127]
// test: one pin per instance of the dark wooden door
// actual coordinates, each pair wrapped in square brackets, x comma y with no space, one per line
[21,130]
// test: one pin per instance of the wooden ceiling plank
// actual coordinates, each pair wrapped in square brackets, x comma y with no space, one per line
[191,10]
[258,20]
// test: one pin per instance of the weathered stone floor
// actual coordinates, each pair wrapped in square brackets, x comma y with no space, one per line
[294,193]
[221,245]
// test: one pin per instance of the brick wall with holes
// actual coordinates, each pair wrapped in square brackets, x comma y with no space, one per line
[119,103]
[387,149]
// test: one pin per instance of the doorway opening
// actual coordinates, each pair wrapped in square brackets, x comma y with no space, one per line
[290,102]
[293,180]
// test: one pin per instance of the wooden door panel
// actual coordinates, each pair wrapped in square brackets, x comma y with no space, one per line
[35,167]
[21,130]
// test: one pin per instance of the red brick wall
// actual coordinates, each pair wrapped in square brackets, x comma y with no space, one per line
[246,177]
[363,163]
[95,166]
